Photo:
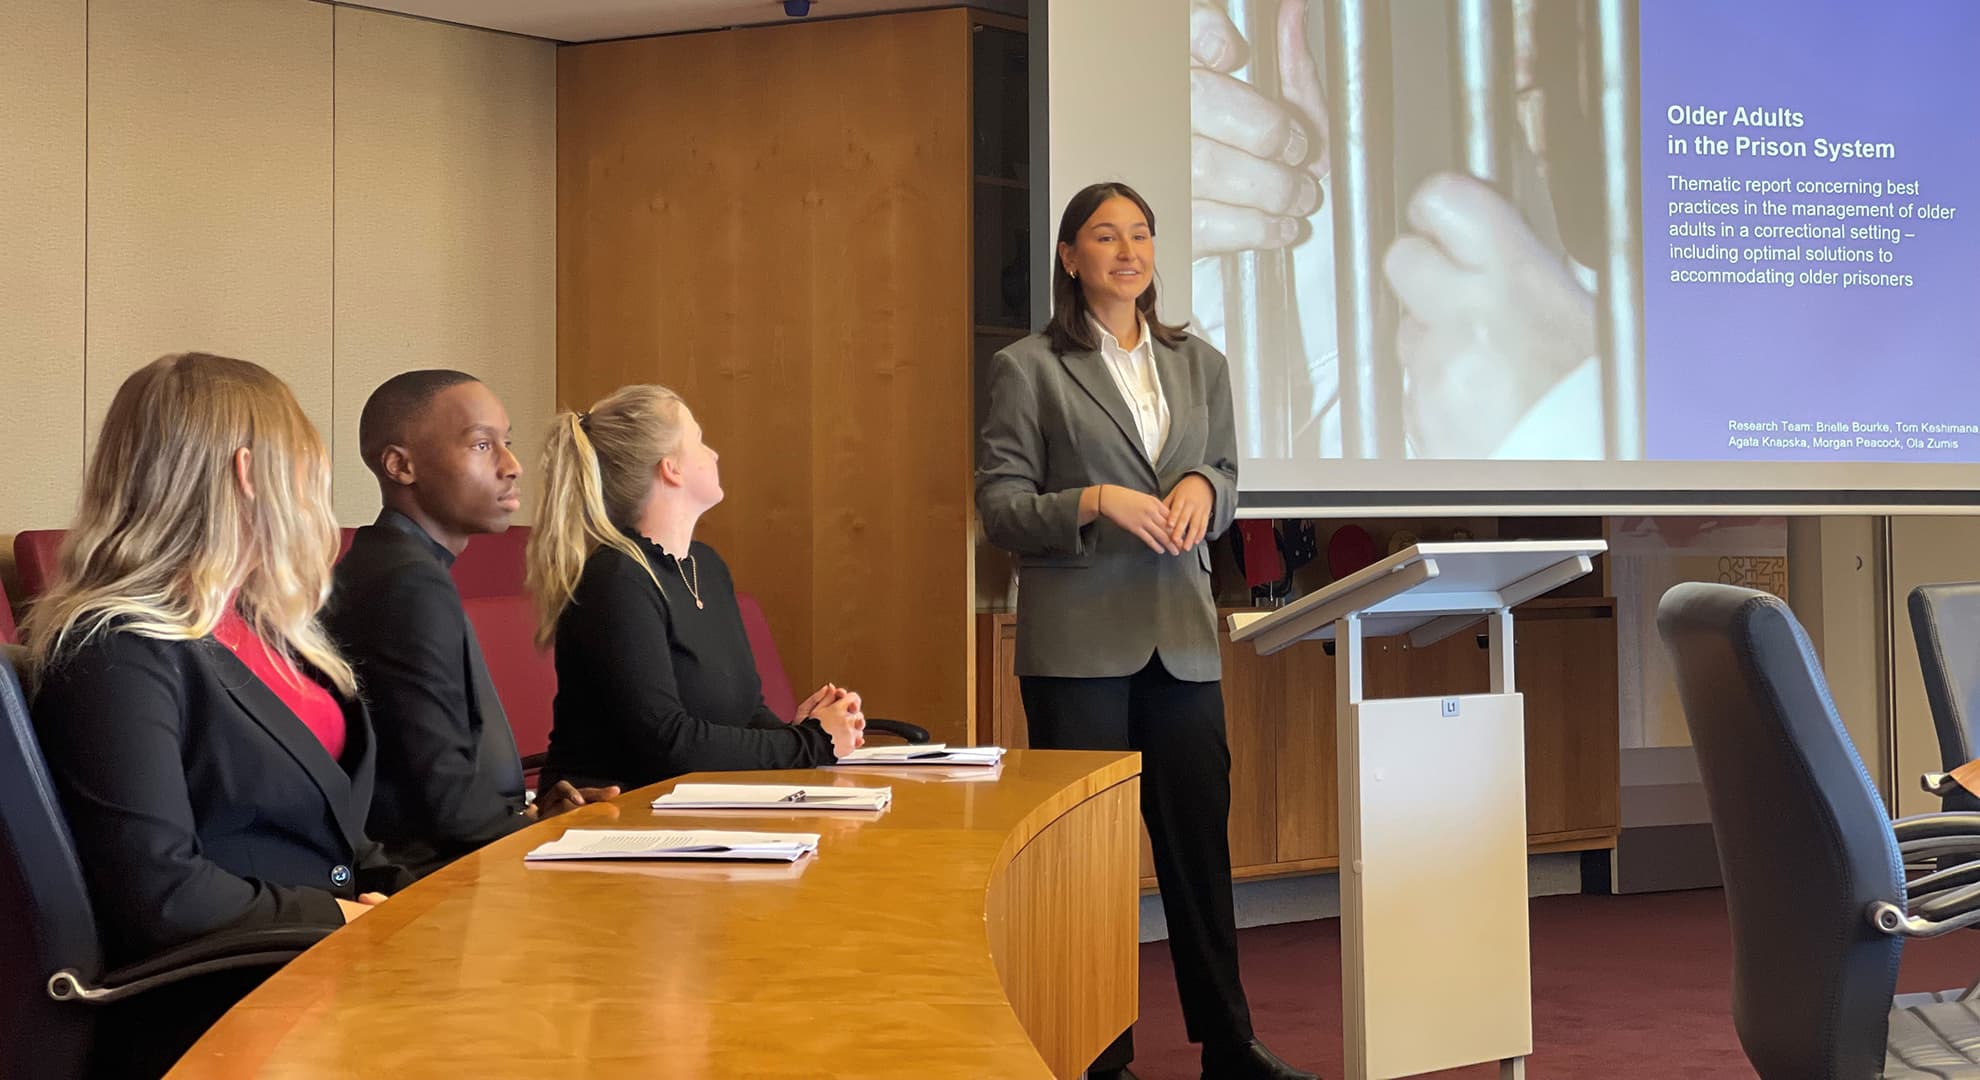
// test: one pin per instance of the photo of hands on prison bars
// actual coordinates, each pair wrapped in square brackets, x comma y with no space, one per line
[1399,229]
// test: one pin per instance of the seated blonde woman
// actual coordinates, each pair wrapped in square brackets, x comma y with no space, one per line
[654,672]
[205,739]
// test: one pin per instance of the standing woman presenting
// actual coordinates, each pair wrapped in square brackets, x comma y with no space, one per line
[1106,458]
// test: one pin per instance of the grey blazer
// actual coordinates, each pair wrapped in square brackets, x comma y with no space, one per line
[1095,602]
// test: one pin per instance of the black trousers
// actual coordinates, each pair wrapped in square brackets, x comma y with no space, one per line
[1186,800]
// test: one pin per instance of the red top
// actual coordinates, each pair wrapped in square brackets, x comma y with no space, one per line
[311,703]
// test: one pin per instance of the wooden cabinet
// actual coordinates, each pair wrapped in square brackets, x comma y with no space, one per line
[1280,720]
[1567,669]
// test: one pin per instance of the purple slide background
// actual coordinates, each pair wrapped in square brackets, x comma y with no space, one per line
[1901,72]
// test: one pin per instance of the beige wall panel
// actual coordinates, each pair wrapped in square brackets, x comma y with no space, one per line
[1835,586]
[209,189]
[446,222]
[1145,146]
[1924,551]
[42,115]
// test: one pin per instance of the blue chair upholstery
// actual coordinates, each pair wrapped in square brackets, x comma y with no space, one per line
[49,926]
[1945,621]
[1813,866]
[54,993]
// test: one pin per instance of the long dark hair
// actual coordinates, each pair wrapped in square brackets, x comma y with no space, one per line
[1070,329]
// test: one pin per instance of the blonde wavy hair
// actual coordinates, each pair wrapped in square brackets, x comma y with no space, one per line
[165,535]
[596,476]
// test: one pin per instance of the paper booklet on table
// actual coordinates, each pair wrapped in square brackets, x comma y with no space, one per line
[925,754]
[666,844]
[773,797]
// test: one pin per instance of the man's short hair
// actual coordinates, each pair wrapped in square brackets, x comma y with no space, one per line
[392,409]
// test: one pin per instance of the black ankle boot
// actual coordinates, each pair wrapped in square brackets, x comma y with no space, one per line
[1251,1061]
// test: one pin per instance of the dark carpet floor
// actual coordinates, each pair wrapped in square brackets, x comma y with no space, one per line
[1624,988]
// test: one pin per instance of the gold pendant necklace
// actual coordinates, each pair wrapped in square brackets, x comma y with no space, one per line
[693,587]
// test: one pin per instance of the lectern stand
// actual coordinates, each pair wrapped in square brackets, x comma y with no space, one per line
[1435,972]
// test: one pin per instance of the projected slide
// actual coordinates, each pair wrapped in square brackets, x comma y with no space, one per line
[1766,252]
[1812,284]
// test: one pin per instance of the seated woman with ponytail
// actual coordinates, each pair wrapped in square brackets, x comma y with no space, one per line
[654,672]
[204,737]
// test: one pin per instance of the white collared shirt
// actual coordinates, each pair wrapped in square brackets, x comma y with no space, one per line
[1134,376]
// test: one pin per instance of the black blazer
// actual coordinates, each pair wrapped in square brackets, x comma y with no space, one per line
[449,779]
[198,801]
[650,685]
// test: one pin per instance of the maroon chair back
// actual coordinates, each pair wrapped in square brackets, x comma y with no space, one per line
[493,565]
[525,678]
[769,666]
[8,633]
[35,554]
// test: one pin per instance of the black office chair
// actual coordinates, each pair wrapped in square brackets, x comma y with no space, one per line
[1945,621]
[1812,865]
[53,989]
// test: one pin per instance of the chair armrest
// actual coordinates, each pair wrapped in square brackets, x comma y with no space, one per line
[1917,851]
[915,734]
[1947,904]
[1934,825]
[1922,836]
[1960,912]
[1961,782]
[1951,877]
[270,946]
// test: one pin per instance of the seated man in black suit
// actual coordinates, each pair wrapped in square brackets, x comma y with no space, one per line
[449,779]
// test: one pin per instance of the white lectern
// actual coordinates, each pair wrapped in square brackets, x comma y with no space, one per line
[1435,972]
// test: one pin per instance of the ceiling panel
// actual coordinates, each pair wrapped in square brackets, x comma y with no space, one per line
[596,20]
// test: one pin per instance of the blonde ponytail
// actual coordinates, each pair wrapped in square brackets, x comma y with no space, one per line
[596,476]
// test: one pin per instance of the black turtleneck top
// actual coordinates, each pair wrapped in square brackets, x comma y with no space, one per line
[650,686]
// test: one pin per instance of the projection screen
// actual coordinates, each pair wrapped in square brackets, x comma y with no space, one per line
[1570,255]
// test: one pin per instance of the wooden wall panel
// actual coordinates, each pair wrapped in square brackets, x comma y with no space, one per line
[774,222]
[209,189]
[446,224]
[892,579]
[43,70]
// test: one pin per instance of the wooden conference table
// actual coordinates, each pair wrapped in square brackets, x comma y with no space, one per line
[979,927]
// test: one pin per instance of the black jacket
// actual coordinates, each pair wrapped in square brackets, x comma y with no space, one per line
[651,685]
[449,780]
[199,802]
